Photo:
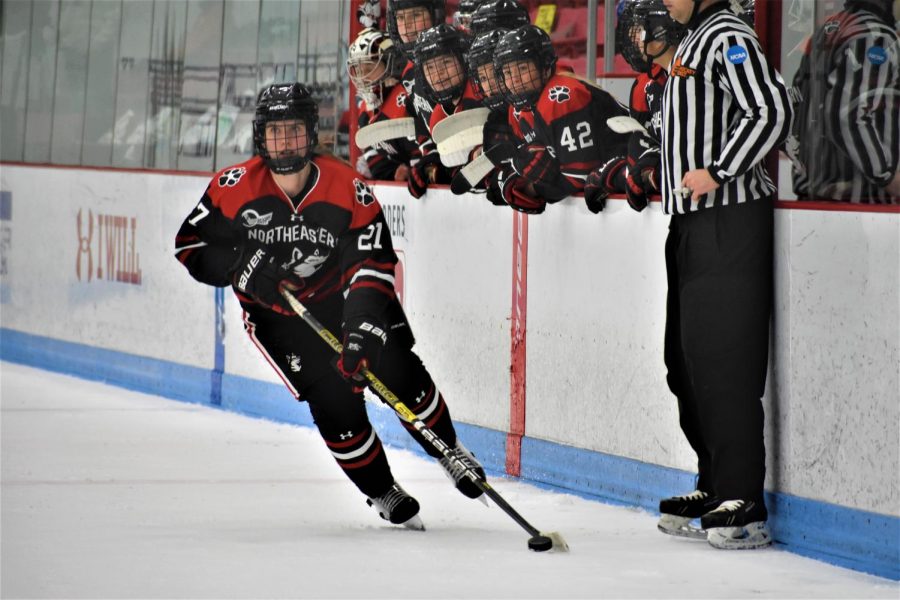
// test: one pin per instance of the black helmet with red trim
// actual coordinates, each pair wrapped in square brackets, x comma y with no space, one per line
[286,102]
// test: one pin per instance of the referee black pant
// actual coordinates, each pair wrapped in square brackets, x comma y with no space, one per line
[719,267]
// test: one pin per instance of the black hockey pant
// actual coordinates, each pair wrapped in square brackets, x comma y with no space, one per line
[719,267]
[303,361]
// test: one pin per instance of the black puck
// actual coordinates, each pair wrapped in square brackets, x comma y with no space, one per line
[540,543]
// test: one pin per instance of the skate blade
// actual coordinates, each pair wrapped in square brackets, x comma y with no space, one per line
[415,523]
[680,527]
[749,537]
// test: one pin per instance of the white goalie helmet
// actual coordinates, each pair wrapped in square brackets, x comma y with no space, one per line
[373,63]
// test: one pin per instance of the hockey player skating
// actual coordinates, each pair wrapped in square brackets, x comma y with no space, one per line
[375,67]
[291,218]
[561,121]
[724,109]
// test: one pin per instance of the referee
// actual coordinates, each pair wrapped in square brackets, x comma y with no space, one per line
[724,108]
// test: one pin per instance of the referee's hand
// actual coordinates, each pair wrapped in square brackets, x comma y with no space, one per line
[700,182]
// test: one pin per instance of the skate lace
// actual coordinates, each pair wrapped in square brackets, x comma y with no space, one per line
[390,499]
[695,495]
[456,470]
[730,505]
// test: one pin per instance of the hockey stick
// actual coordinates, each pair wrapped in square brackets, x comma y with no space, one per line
[459,122]
[470,175]
[455,150]
[539,542]
[385,130]
[625,124]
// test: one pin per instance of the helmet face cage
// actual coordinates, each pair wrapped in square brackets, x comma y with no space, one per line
[641,23]
[462,18]
[373,49]
[526,57]
[440,65]
[286,102]
[417,20]
[499,14]
[481,69]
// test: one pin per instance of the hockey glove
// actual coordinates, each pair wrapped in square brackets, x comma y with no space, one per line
[643,170]
[364,339]
[422,174]
[536,163]
[608,177]
[258,275]
[516,193]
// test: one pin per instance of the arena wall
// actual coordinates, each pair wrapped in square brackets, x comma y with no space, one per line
[90,286]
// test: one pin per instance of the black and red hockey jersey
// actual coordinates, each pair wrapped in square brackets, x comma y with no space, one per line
[570,119]
[646,100]
[332,236]
[383,158]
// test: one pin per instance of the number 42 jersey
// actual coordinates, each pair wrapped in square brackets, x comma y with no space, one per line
[332,235]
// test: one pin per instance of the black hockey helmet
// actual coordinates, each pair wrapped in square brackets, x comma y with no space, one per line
[439,41]
[496,14]
[284,102]
[435,8]
[462,18]
[642,22]
[527,43]
[481,54]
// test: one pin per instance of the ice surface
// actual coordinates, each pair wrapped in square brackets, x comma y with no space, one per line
[109,493]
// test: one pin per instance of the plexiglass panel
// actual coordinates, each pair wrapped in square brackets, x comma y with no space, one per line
[71,75]
[133,84]
[100,105]
[41,78]
[166,73]
[237,92]
[200,85]
[14,86]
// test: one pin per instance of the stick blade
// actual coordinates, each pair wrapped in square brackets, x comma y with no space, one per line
[461,121]
[385,130]
[623,124]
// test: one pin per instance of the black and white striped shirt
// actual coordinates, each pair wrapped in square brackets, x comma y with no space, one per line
[848,120]
[724,108]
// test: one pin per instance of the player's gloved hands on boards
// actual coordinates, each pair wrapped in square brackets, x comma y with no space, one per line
[422,174]
[535,163]
[364,339]
[643,170]
[607,178]
[258,275]
[519,194]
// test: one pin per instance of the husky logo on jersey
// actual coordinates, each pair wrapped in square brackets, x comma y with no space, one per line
[305,267]
[830,27]
[231,177]
[517,114]
[363,193]
[401,100]
[408,85]
[251,218]
[559,93]
[294,362]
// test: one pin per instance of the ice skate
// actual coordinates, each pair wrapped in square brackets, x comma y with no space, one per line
[458,475]
[737,525]
[678,512]
[398,507]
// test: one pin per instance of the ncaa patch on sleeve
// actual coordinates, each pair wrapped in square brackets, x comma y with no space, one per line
[736,55]
[876,55]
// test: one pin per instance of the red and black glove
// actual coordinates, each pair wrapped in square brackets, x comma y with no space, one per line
[364,339]
[516,193]
[605,179]
[536,163]
[643,170]
[258,275]
[422,174]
